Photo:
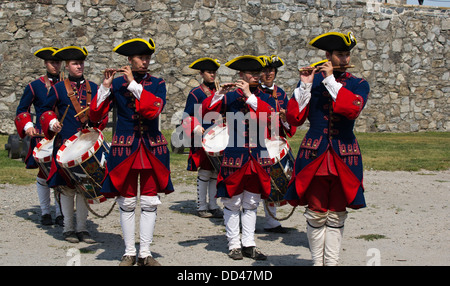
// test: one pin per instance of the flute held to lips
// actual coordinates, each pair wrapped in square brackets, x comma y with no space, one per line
[122,70]
[252,84]
[334,67]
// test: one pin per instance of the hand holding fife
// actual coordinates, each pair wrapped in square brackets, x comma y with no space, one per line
[226,87]
[128,73]
[307,74]
[108,77]
[242,84]
[327,67]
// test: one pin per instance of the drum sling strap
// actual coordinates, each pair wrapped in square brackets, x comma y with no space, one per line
[74,99]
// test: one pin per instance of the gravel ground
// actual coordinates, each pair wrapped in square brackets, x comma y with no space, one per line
[404,223]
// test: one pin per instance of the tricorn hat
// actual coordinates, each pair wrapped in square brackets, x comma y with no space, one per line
[136,46]
[205,64]
[71,53]
[334,41]
[272,61]
[246,63]
[47,54]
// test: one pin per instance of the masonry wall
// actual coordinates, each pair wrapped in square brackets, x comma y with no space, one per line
[402,50]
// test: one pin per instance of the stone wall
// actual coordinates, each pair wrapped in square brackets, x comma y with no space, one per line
[402,50]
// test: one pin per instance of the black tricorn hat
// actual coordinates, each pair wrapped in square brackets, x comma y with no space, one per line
[208,64]
[246,63]
[71,53]
[135,47]
[272,61]
[47,54]
[334,41]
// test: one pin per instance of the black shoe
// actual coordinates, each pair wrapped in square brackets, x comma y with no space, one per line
[216,213]
[85,237]
[71,237]
[46,219]
[253,252]
[59,220]
[235,254]
[277,229]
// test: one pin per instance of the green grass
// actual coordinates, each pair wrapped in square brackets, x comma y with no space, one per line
[371,237]
[381,151]
[405,151]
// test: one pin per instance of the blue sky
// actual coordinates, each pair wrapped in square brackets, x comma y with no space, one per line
[440,3]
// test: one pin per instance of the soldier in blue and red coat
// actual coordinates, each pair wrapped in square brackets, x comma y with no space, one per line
[328,169]
[268,76]
[35,95]
[139,155]
[244,178]
[198,160]
[71,95]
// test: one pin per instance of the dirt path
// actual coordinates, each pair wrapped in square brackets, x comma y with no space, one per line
[408,209]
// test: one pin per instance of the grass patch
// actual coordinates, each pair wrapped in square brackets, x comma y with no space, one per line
[405,151]
[371,237]
[381,151]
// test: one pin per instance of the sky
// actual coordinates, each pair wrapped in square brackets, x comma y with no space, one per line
[439,3]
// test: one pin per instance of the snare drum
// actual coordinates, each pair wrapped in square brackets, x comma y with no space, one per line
[214,143]
[83,158]
[42,154]
[281,170]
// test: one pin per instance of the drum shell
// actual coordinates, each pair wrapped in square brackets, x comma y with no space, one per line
[44,162]
[281,173]
[89,172]
[215,156]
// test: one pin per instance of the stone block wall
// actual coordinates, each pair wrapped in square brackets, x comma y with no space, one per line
[402,50]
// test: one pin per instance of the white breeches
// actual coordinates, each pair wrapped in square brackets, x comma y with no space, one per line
[44,193]
[244,204]
[149,206]
[67,207]
[206,189]
[325,231]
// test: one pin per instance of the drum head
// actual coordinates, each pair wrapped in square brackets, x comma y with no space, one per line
[43,151]
[277,148]
[216,139]
[79,147]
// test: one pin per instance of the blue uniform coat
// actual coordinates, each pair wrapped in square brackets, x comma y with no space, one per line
[136,130]
[331,129]
[246,152]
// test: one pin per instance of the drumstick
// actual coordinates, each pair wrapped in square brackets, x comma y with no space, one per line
[64,115]
[85,109]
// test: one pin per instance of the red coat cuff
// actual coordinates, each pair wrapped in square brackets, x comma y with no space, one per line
[207,108]
[348,104]
[293,116]
[189,124]
[21,120]
[97,114]
[149,105]
[45,119]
